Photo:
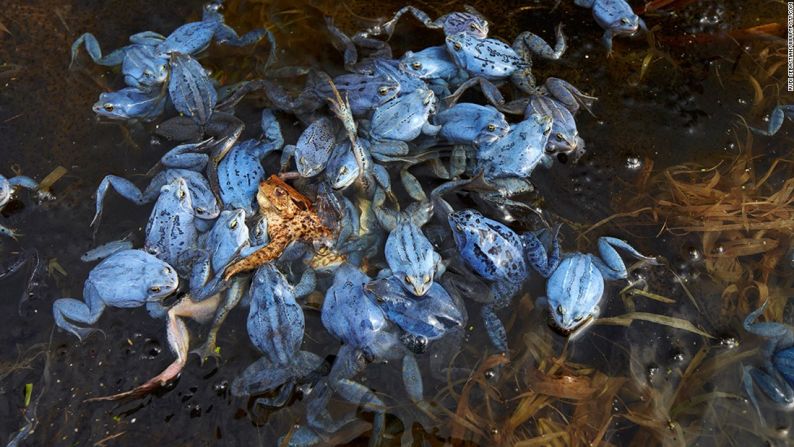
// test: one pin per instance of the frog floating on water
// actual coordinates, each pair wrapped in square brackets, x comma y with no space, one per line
[129,278]
[615,16]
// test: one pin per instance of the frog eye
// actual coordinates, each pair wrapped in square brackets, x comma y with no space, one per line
[427,279]
[343,170]
[457,46]
[200,210]
[560,310]
[473,27]
[154,289]
[560,136]
[182,194]
[383,91]
[302,160]
[458,227]
[233,224]
[491,127]
[408,279]
[578,319]
[279,192]
[625,20]
[108,107]
[416,65]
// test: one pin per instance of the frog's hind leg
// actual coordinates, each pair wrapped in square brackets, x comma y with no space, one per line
[771,383]
[494,327]
[122,186]
[388,27]
[261,376]
[488,88]
[543,262]
[87,312]
[95,51]
[527,44]
[178,340]
[361,395]
[231,299]
[564,92]
[610,264]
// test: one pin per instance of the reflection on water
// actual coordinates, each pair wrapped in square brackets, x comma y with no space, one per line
[670,166]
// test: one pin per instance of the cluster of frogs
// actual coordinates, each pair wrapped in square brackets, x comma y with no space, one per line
[231,234]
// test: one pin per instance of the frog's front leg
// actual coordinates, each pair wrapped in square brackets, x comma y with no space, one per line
[286,156]
[95,51]
[776,118]
[543,262]
[85,312]
[262,256]
[606,39]
[489,90]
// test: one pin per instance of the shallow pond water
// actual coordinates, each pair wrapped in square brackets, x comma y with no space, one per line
[667,152]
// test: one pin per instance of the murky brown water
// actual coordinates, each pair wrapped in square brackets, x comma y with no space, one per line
[643,384]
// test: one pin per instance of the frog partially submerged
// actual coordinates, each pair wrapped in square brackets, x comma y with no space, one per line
[275,326]
[7,186]
[290,217]
[488,60]
[575,283]
[615,16]
[352,316]
[509,161]
[776,375]
[130,103]
[180,162]
[423,318]
[468,123]
[496,254]
[776,118]
[127,279]
[144,61]
[228,238]
[470,22]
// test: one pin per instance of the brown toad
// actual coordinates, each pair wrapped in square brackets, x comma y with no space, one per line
[290,217]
